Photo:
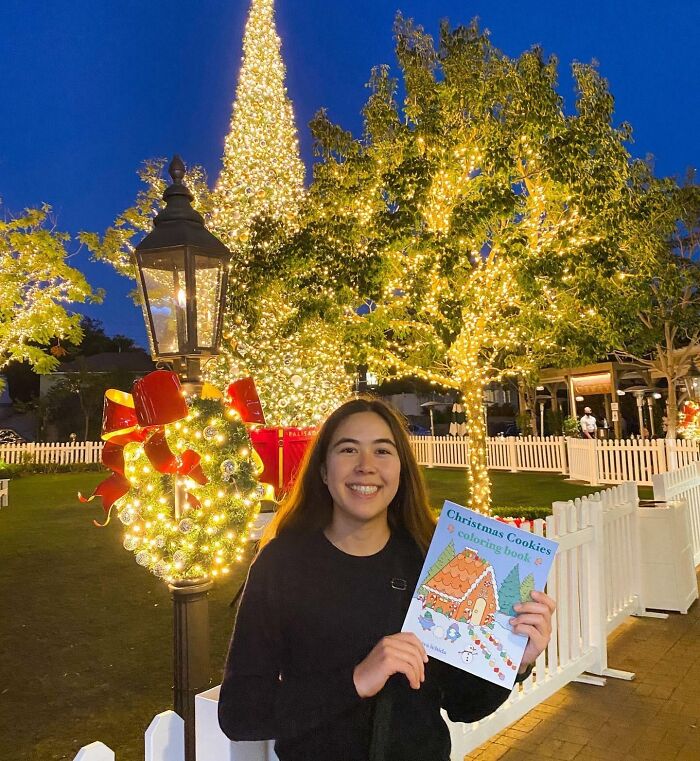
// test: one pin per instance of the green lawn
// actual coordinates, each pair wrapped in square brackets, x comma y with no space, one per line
[511,489]
[85,638]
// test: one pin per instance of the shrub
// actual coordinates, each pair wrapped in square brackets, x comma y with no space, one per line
[571,428]
[9,471]
[525,512]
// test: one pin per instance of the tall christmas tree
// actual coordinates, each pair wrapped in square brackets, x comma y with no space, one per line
[299,365]
[262,175]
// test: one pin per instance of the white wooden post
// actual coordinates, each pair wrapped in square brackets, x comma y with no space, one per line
[660,445]
[165,738]
[593,462]
[212,743]
[671,455]
[95,752]
[513,454]
[563,455]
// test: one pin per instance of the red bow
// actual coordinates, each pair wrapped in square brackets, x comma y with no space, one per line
[157,400]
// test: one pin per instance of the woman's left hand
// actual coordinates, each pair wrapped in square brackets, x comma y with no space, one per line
[534,620]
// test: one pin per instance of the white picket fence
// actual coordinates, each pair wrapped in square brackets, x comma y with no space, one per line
[596,581]
[164,741]
[546,453]
[684,484]
[52,452]
[597,461]
[4,492]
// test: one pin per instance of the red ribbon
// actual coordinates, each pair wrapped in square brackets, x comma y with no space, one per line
[243,397]
[157,401]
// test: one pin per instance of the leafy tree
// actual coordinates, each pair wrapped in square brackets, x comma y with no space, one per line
[96,341]
[37,285]
[479,223]
[75,402]
[661,296]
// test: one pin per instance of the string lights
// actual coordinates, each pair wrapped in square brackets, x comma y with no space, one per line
[301,367]
[212,532]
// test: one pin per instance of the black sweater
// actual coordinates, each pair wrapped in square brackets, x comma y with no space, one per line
[309,614]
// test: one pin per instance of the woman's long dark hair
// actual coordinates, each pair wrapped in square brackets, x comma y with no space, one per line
[309,505]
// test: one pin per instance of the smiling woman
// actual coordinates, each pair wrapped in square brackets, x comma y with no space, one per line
[318,660]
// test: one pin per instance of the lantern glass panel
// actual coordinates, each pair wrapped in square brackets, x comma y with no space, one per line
[208,277]
[163,277]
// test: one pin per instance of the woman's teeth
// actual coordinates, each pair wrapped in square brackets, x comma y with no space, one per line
[362,489]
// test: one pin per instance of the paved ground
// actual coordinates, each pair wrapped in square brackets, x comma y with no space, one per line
[656,716]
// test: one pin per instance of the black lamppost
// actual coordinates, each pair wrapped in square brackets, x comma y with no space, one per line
[183,273]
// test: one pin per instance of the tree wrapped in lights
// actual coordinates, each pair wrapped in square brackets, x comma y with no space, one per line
[262,176]
[296,356]
[481,224]
[37,284]
[299,363]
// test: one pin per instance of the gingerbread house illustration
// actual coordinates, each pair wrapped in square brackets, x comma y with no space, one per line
[464,589]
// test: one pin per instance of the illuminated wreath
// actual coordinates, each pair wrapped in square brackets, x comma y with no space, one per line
[155,437]
[213,529]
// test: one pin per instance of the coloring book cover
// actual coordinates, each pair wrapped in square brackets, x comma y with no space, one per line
[476,569]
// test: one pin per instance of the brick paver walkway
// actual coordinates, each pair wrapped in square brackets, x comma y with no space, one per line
[656,716]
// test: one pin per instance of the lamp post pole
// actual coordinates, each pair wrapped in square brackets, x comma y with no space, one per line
[183,272]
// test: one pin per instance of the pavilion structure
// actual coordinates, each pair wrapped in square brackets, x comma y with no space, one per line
[599,386]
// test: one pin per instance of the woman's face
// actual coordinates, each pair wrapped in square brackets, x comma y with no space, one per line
[362,468]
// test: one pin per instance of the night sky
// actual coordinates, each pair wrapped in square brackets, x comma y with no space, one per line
[92,88]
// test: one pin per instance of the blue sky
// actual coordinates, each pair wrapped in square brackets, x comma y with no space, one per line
[91,89]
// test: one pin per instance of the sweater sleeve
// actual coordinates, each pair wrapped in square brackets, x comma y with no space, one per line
[258,701]
[466,697]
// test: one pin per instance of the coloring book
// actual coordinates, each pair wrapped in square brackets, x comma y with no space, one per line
[476,569]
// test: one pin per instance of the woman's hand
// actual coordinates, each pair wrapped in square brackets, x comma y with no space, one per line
[534,620]
[401,653]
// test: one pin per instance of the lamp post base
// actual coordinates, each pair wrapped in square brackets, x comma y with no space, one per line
[190,650]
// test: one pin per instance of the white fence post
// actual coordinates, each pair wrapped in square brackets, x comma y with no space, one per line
[213,745]
[683,484]
[4,492]
[593,462]
[513,454]
[95,752]
[563,454]
[165,738]
[671,454]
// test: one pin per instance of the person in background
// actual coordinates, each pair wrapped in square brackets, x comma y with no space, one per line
[589,425]
[318,661]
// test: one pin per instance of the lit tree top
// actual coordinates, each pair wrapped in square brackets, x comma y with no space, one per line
[37,284]
[262,175]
